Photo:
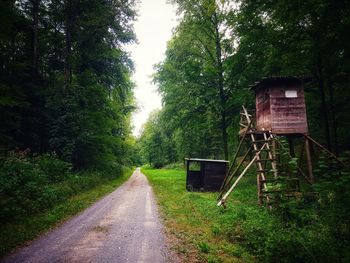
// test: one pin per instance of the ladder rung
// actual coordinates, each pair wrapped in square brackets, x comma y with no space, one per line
[265,160]
[279,180]
[285,191]
[259,150]
[258,141]
[266,170]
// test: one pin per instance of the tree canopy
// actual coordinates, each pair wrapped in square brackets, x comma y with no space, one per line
[65,79]
[220,48]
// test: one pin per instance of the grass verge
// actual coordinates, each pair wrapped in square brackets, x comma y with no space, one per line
[298,230]
[197,228]
[17,233]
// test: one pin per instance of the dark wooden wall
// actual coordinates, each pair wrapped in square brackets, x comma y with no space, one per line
[281,114]
[288,115]
[214,174]
[263,113]
[208,178]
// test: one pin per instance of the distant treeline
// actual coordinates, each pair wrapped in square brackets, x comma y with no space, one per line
[65,80]
[220,48]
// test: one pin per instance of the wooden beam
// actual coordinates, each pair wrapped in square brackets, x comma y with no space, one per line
[324,148]
[230,177]
[309,160]
[236,155]
[223,199]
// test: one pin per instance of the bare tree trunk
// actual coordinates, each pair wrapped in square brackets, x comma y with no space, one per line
[223,98]
[333,119]
[68,44]
[34,38]
[323,104]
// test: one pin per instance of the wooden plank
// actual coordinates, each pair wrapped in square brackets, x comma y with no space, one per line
[231,176]
[237,152]
[325,149]
[223,199]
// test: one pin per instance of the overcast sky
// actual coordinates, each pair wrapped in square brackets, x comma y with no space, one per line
[153,29]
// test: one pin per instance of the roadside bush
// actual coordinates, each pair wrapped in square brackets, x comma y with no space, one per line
[32,184]
[55,169]
[302,230]
[175,166]
[21,183]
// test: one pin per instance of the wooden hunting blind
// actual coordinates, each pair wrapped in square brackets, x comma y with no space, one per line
[205,174]
[280,105]
[280,115]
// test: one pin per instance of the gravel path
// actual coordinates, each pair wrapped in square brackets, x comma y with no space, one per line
[122,227]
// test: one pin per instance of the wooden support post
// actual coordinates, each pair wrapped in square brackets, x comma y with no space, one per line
[291,146]
[236,155]
[325,149]
[258,183]
[231,176]
[301,156]
[223,199]
[309,160]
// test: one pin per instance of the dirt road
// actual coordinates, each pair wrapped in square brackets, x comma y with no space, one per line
[122,227]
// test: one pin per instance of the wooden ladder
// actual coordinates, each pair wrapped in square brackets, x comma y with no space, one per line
[270,180]
[264,157]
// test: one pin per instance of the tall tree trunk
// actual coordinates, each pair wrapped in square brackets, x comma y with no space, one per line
[220,75]
[333,120]
[68,44]
[34,38]
[323,103]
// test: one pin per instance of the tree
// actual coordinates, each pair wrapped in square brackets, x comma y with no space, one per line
[220,48]
[196,64]
[156,143]
[65,79]
[300,38]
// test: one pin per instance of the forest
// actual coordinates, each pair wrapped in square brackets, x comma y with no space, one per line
[66,99]
[217,52]
[221,48]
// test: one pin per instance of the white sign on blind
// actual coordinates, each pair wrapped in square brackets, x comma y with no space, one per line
[291,94]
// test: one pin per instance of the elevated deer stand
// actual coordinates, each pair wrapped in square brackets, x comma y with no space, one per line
[280,113]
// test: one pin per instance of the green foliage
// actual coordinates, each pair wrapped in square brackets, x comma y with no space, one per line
[54,169]
[175,166]
[156,144]
[204,247]
[193,81]
[65,80]
[29,185]
[219,49]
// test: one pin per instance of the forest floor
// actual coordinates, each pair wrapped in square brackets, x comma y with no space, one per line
[123,226]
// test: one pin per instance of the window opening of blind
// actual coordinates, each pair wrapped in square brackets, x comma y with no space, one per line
[291,94]
[194,166]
